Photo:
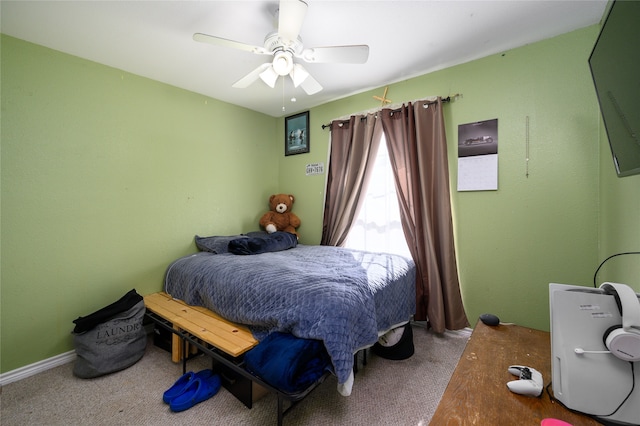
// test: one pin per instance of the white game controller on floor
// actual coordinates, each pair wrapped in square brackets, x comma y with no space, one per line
[530,381]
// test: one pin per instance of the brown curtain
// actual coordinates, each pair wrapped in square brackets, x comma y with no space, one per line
[354,146]
[417,147]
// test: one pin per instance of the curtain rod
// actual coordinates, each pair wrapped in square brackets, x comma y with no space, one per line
[444,100]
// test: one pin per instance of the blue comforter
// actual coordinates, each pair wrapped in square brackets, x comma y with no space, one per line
[342,297]
[288,363]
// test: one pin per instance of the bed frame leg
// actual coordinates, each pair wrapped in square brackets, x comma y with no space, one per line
[185,349]
[280,413]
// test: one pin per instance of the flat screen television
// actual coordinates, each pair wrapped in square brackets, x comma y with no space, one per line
[614,68]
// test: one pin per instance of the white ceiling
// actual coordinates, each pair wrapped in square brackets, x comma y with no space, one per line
[406,38]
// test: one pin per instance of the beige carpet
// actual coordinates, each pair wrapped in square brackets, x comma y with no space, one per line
[385,393]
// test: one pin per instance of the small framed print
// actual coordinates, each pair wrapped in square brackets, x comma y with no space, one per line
[296,134]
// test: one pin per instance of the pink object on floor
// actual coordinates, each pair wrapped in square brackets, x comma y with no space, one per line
[554,422]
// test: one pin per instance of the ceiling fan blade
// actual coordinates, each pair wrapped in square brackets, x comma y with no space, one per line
[309,84]
[354,54]
[250,78]
[219,41]
[290,18]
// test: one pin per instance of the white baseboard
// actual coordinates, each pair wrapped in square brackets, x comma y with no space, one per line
[36,367]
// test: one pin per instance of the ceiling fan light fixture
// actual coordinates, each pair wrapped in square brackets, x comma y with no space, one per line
[298,75]
[282,63]
[269,76]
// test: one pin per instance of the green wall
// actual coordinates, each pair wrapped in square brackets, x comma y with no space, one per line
[106,178]
[513,242]
[619,222]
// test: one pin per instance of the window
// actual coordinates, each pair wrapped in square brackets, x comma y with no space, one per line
[378,227]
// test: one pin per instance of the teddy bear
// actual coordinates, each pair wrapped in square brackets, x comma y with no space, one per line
[279,216]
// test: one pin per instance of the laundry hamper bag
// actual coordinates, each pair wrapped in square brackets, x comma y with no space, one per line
[110,339]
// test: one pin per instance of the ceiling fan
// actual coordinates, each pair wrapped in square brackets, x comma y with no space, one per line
[285,44]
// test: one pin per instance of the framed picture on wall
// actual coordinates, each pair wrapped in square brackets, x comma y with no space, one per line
[296,134]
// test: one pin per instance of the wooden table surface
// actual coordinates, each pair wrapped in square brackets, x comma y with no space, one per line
[477,393]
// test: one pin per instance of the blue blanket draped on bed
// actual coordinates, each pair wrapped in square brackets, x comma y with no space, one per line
[276,241]
[288,363]
[339,296]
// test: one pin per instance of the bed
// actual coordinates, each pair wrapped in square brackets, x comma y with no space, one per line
[345,298]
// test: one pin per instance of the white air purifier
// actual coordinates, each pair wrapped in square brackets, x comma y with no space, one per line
[595,348]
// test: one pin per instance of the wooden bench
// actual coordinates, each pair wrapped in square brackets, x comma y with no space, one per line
[231,338]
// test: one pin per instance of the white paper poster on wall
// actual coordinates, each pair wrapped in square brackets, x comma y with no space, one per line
[478,156]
